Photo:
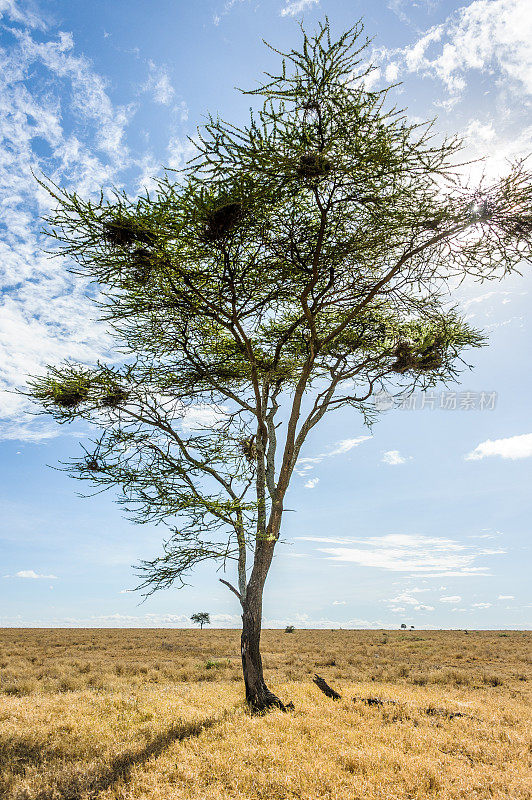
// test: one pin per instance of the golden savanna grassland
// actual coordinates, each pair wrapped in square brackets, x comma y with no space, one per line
[160,714]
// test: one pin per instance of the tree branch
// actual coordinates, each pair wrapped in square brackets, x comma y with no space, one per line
[235,591]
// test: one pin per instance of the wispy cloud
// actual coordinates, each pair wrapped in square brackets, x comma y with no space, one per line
[228,5]
[400,7]
[393,458]
[513,448]
[304,465]
[481,36]
[303,620]
[312,483]
[31,575]
[413,553]
[454,598]
[294,7]
[46,315]
[57,117]
[346,445]
[404,598]
[159,84]
[11,9]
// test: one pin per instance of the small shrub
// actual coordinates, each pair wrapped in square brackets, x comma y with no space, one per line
[19,689]
[211,663]
[68,685]
[492,680]
[289,629]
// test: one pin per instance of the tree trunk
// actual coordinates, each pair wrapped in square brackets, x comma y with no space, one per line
[258,696]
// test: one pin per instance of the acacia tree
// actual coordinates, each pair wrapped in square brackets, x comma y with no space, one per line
[295,266]
[201,618]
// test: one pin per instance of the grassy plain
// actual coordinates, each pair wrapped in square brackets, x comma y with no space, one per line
[131,714]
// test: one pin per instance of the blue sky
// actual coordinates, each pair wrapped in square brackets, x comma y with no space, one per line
[425,519]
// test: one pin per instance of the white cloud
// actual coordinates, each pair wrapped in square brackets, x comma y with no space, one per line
[26,16]
[481,605]
[391,72]
[485,35]
[311,483]
[31,574]
[421,555]
[302,620]
[506,597]
[393,458]
[229,4]
[347,444]
[405,598]
[162,620]
[181,111]
[159,84]
[179,152]
[203,415]
[514,447]
[424,608]
[304,465]
[339,603]
[46,315]
[294,7]
[454,598]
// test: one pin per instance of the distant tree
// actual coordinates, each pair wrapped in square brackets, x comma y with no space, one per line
[289,629]
[299,264]
[411,627]
[201,618]
[403,626]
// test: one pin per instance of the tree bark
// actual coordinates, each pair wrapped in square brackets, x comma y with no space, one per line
[258,696]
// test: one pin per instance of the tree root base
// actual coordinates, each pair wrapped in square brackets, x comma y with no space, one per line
[268,701]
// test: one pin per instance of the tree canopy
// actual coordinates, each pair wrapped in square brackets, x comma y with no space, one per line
[201,618]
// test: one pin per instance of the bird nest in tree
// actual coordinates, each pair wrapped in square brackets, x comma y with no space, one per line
[430,359]
[122,232]
[249,449]
[70,394]
[92,465]
[520,227]
[221,221]
[313,165]
[114,397]
[405,358]
[425,360]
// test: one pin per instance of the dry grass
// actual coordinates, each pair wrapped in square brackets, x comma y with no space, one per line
[159,714]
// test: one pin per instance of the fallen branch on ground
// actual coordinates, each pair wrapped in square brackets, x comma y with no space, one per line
[326,689]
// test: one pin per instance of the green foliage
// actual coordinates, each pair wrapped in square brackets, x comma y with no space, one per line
[296,265]
[201,618]
[213,663]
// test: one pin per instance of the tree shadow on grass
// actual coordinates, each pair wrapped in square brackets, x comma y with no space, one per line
[69,784]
